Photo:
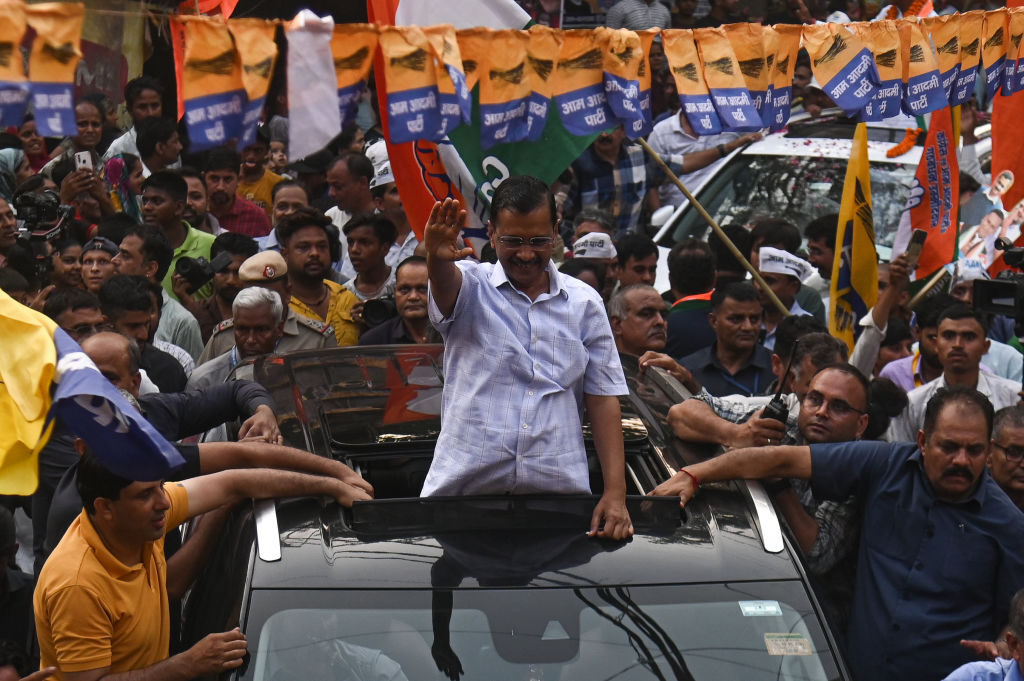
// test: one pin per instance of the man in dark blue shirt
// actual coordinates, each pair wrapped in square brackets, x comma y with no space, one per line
[942,546]
[735,364]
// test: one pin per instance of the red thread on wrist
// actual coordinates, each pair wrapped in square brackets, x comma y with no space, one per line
[696,482]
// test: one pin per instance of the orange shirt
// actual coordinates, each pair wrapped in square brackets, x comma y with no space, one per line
[93,611]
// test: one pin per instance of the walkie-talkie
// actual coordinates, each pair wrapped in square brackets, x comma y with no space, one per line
[777,409]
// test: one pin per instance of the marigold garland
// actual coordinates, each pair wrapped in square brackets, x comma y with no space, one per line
[912,11]
[908,142]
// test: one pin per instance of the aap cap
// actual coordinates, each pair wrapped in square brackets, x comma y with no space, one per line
[969,269]
[263,267]
[594,245]
[378,155]
[778,261]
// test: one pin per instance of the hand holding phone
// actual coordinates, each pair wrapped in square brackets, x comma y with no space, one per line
[914,249]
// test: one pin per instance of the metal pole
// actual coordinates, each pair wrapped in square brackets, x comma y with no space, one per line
[714,226]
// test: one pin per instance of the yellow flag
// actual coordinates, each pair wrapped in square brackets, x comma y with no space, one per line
[854,288]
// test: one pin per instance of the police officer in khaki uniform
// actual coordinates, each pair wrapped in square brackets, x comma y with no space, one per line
[269,270]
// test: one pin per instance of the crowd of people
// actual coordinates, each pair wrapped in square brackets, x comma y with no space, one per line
[172,270]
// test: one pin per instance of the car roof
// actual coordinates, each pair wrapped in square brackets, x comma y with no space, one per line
[517,541]
[377,408]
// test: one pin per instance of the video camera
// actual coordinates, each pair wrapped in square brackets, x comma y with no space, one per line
[1005,294]
[44,218]
[198,272]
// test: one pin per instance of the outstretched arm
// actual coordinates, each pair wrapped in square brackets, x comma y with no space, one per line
[752,463]
[441,239]
[228,487]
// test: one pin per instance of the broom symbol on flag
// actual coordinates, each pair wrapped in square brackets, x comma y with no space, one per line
[833,51]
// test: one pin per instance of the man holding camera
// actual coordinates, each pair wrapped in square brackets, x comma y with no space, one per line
[410,323]
[163,205]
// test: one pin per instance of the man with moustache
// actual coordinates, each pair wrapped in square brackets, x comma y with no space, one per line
[1007,453]
[637,315]
[197,202]
[305,247]
[234,213]
[518,429]
[410,324]
[941,548]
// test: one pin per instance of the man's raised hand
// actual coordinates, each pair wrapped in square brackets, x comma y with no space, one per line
[441,234]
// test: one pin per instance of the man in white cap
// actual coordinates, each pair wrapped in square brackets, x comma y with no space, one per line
[269,270]
[389,203]
[597,247]
[783,272]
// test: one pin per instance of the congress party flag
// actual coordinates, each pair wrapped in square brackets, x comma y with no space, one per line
[843,65]
[43,373]
[257,50]
[854,287]
[14,88]
[313,115]
[214,95]
[52,63]
[459,167]
[934,197]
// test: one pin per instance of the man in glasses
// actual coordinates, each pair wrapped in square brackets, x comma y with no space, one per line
[1007,453]
[941,549]
[525,350]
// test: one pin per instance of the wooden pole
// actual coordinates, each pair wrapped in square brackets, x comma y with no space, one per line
[715,227]
[935,279]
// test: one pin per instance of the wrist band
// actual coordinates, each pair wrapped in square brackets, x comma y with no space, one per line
[696,482]
[773,488]
[722,151]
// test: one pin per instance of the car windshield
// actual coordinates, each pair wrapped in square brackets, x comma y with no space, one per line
[799,188]
[742,631]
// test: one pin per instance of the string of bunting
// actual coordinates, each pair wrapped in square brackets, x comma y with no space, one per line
[736,77]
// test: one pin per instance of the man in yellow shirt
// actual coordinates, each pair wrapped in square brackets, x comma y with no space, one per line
[101,599]
[305,247]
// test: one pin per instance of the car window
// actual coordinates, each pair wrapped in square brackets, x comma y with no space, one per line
[798,188]
[747,632]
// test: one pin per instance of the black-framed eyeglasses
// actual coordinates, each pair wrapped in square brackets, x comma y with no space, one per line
[840,408]
[1012,453]
[537,243]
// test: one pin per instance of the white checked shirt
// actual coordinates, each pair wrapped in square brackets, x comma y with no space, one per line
[515,373]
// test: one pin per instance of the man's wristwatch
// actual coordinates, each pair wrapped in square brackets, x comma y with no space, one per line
[722,151]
